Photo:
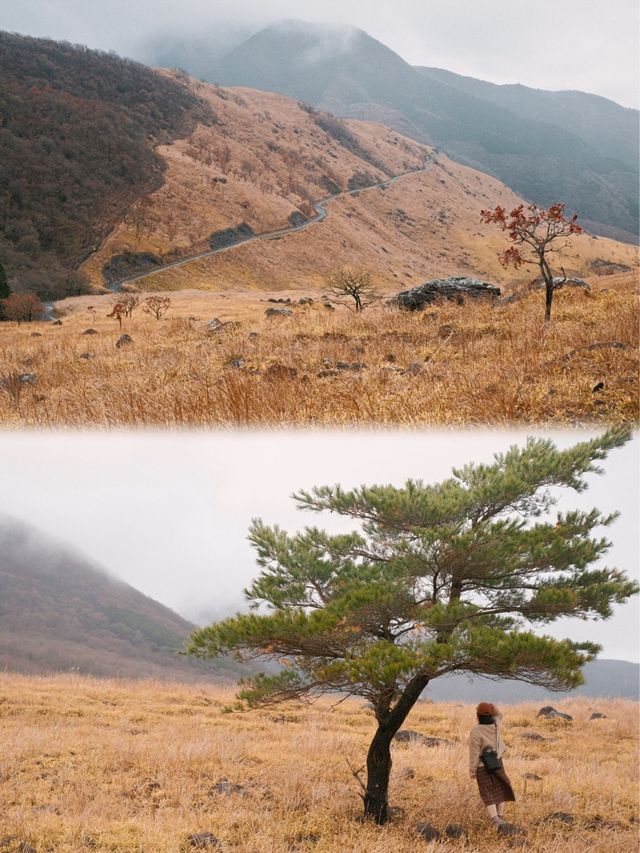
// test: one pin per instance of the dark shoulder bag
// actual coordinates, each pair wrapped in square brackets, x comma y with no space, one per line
[489,757]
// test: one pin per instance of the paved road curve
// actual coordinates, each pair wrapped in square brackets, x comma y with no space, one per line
[321,213]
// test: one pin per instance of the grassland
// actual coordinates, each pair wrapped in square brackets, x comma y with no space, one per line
[449,365]
[133,766]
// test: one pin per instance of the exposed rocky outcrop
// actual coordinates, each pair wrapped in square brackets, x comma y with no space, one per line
[602,267]
[409,736]
[538,284]
[230,236]
[552,714]
[457,288]
[278,312]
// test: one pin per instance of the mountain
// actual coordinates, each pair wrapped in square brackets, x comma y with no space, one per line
[609,128]
[59,612]
[160,166]
[546,155]
[603,678]
[78,129]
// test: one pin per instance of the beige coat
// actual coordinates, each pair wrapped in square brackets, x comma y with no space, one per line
[483,735]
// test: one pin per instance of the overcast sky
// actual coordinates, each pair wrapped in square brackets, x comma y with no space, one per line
[169,513]
[589,45]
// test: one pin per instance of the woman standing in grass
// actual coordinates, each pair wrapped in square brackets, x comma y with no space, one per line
[493,783]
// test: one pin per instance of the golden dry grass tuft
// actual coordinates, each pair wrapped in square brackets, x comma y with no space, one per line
[132,766]
[449,365]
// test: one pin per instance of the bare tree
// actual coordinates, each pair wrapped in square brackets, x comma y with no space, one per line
[347,283]
[130,302]
[157,306]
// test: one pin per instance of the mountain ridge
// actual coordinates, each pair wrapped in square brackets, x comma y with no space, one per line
[537,158]
[61,612]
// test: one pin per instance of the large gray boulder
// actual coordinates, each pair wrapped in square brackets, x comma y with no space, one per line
[456,287]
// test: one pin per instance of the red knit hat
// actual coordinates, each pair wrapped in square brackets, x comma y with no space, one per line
[486,709]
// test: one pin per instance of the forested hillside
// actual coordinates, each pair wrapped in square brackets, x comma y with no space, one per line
[77,135]
[59,612]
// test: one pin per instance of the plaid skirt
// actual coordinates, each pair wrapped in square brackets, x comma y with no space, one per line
[494,787]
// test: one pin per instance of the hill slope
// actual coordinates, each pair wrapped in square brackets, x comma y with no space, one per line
[113,168]
[58,613]
[545,156]
[260,166]
[77,136]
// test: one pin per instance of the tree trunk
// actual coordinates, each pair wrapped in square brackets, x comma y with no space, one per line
[547,275]
[376,803]
[378,772]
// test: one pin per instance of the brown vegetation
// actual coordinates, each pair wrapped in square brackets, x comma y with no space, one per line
[21,307]
[452,364]
[266,158]
[76,150]
[126,766]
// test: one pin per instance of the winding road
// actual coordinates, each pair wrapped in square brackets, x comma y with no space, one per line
[321,213]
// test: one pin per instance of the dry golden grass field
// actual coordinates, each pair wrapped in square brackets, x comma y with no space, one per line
[132,767]
[449,365]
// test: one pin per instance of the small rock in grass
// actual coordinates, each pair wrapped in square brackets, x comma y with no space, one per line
[280,371]
[598,716]
[427,831]
[215,326]
[224,786]
[454,830]
[551,714]
[36,334]
[350,365]
[237,363]
[598,387]
[202,841]
[533,777]
[598,822]
[28,378]
[307,838]
[87,355]
[558,817]
[509,829]
[408,736]
[278,312]
[90,332]
[124,341]
[408,773]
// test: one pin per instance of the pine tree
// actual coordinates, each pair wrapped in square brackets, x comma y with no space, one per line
[5,290]
[438,579]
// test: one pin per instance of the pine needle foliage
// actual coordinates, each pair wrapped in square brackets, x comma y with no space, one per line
[450,577]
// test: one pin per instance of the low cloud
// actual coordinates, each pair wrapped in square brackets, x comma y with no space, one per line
[578,44]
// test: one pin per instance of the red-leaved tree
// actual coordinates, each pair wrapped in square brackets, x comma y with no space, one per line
[534,234]
[22,307]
